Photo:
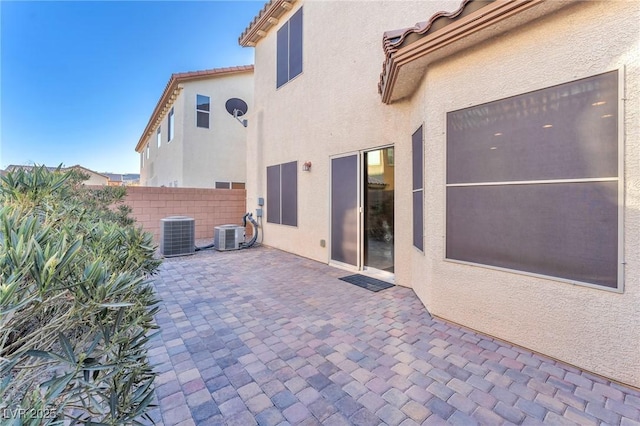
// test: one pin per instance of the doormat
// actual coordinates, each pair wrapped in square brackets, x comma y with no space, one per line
[365,282]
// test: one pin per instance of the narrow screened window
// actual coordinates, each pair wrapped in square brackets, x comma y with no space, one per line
[417,146]
[282,194]
[273,194]
[202,111]
[170,123]
[158,137]
[148,150]
[289,49]
[142,159]
[532,182]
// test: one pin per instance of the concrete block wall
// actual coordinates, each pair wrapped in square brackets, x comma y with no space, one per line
[209,207]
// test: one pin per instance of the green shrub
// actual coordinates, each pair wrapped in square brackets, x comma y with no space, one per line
[76,310]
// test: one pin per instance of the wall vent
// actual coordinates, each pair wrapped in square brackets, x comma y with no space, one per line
[228,237]
[177,236]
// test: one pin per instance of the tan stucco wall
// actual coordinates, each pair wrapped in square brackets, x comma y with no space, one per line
[594,329]
[333,108]
[198,157]
[95,179]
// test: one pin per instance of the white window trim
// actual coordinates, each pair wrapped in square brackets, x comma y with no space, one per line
[201,110]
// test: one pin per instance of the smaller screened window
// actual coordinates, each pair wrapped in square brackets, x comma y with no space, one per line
[158,137]
[202,111]
[170,130]
[282,194]
[418,188]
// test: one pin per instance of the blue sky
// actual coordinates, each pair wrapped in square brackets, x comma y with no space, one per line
[79,80]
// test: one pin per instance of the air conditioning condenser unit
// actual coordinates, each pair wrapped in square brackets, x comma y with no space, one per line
[177,236]
[228,237]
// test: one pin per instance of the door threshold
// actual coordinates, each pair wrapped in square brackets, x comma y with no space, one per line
[378,274]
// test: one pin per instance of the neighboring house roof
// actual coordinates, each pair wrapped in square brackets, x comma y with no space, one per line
[172,90]
[84,169]
[409,51]
[114,177]
[14,167]
[268,17]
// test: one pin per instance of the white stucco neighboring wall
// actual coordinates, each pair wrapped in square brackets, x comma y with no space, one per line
[216,154]
[333,108]
[199,157]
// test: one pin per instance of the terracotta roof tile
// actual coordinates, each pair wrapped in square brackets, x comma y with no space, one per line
[393,40]
[267,18]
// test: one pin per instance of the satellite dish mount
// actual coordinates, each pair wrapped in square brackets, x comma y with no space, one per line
[237,107]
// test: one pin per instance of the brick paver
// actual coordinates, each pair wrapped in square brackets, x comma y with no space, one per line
[264,337]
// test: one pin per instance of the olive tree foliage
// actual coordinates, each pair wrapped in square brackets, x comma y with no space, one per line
[76,308]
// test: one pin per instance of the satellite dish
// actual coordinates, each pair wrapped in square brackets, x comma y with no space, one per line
[237,107]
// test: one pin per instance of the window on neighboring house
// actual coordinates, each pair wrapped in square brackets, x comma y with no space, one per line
[282,194]
[237,185]
[223,185]
[417,146]
[158,137]
[202,111]
[289,49]
[533,183]
[170,124]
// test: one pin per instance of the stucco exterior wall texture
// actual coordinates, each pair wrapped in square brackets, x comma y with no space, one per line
[595,329]
[333,108]
[209,207]
[198,157]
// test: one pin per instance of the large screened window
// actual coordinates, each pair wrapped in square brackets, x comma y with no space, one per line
[532,182]
[203,105]
[417,149]
[282,194]
[289,54]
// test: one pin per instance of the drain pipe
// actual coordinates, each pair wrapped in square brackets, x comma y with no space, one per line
[254,226]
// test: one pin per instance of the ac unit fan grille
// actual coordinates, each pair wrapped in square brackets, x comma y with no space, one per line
[177,236]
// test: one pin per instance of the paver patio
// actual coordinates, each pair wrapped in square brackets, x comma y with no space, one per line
[264,337]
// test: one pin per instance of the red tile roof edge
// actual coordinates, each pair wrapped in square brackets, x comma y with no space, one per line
[392,40]
[177,78]
[264,13]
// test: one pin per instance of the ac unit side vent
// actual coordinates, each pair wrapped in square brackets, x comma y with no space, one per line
[177,236]
[228,237]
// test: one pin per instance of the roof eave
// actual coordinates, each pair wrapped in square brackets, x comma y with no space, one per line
[266,19]
[408,61]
